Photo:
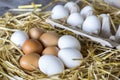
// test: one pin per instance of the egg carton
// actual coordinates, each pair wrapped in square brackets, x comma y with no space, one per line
[105,38]
[102,41]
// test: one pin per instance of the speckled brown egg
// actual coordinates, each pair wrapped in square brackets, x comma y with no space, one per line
[35,33]
[29,61]
[49,39]
[32,46]
[53,50]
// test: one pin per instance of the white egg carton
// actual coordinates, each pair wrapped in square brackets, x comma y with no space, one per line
[102,41]
[101,29]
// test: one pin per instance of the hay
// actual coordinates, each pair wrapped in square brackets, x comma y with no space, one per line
[99,63]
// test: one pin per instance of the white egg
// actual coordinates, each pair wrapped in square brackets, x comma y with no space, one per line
[72,7]
[68,57]
[18,38]
[50,65]
[75,19]
[68,41]
[85,11]
[92,25]
[59,12]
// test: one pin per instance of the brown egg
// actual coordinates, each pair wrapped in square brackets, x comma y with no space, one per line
[29,61]
[35,33]
[51,50]
[31,46]
[49,39]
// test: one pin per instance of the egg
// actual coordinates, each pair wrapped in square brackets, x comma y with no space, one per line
[35,33]
[85,11]
[32,46]
[59,12]
[72,7]
[50,65]
[68,55]
[18,38]
[68,41]
[29,61]
[92,25]
[49,39]
[75,19]
[53,50]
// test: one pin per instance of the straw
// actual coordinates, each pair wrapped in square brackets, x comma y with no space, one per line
[99,63]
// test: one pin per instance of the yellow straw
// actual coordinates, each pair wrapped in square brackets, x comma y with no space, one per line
[30,6]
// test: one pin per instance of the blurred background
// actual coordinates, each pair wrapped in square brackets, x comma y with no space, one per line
[5,5]
[9,4]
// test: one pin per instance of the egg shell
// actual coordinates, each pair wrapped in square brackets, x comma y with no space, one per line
[75,19]
[68,55]
[18,38]
[50,65]
[59,12]
[49,39]
[68,41]
[72,7]
[85,11]
[92,25]
[53,50]
[35,33]
[30,61]
[32,46]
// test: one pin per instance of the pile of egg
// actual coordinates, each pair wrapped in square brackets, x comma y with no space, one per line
[83,19]
[47,51]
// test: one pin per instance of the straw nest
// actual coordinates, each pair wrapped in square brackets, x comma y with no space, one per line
[99,63]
